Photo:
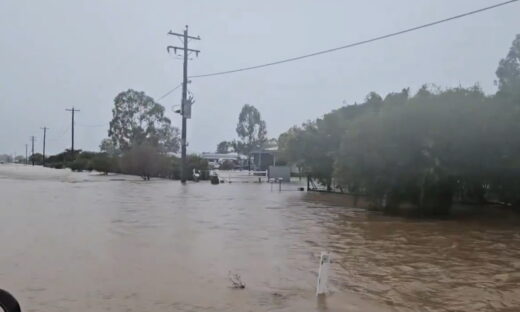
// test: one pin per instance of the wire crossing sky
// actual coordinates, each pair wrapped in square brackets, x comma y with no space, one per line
[351,45]
[86,52]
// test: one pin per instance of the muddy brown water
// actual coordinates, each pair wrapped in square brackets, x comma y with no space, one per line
[82,242]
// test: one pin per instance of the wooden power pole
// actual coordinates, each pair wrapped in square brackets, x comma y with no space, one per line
[185,103]
[44,136]
[32,150]
[72,110]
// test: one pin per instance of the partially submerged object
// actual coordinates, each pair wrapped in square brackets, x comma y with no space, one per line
[196,175]
[236,281]
[323,274]
[213,177]
[8,302]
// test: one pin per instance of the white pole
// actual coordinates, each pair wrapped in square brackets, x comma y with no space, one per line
[323,274]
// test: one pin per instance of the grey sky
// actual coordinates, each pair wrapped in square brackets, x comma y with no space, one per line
[56,54]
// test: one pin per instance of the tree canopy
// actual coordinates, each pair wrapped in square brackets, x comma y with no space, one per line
[430,149]
[508,71]
[137,120]
[251,129]
[224,147]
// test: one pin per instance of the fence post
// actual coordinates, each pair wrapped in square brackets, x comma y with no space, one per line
[323,274]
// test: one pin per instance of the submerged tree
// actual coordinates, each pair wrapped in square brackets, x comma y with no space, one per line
[103,163]
[143,160]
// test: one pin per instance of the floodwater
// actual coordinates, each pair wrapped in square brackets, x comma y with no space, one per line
[82,242]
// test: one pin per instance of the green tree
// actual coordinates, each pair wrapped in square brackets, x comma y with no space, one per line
[238,147]
[429,149]
[19,159]
[291,147]
[508,71]
[37,158]
[251,130]
[139,120]
[143,160]
[6,158]
[224,147]
[107,146]
[103,163]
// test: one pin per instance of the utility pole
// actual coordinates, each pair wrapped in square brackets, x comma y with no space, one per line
[185,103]
[44,135]
[26,154]
[32,149]
[72,110]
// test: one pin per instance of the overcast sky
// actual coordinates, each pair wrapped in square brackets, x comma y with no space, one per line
[59,54]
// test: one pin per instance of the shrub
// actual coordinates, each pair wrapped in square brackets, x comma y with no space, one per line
[102,163]
[78,164]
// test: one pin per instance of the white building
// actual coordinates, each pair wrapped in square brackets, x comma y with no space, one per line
[216,159]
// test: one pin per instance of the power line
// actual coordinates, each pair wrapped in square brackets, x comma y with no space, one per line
[351,45]
[61,134]
[108,124]
[169,92]
[93,126]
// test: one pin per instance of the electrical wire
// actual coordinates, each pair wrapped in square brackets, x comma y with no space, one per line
[169,92]
[92,126]
[351,45]
[59,136]
[107,124]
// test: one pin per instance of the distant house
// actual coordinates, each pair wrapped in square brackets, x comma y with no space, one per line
[263,158]
[216,159]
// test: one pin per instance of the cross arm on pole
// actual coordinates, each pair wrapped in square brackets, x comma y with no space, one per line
[175,48]
[182,35]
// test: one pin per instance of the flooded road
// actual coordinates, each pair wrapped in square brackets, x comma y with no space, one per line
[81,242]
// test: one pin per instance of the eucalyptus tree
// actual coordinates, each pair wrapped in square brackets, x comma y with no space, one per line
[137,119]
[251,130]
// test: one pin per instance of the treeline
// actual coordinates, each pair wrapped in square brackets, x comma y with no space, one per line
[428,149]
[141,141]
[142,161]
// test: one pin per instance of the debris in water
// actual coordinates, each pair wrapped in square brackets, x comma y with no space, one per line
[236,280]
